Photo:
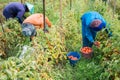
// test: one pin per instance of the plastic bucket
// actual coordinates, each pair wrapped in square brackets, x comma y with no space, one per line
[76,57]
[88,54]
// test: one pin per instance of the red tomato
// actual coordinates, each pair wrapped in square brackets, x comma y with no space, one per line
[86,50]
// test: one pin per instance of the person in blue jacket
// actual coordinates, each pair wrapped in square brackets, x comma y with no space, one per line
[92,22]
[17,10]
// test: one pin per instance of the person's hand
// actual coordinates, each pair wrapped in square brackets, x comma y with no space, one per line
[97,43]
[32,38]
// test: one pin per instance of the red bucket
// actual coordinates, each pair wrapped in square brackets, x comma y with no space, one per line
[86,52]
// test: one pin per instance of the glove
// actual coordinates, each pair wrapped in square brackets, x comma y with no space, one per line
[106,30]
[97,43]
[110,34]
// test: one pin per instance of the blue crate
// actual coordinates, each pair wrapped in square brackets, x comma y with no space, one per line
[75,54]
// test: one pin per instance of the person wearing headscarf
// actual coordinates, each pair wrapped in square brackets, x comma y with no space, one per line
[17,10]
[33,22]
[92,22]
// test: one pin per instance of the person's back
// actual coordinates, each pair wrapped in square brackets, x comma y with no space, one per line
[34,19]
[33,22]
[37,20]
[11,10]
[88,17]
[17,10]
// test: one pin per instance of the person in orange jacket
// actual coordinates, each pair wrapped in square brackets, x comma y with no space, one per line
[33,22]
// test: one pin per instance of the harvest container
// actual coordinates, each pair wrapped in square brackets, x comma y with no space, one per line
[75,57]
[86,52]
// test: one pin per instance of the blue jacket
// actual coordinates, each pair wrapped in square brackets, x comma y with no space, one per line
[87,18]
[14,9]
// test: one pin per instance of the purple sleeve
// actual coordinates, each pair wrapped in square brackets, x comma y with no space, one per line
[14,9]
[21,10]
[20,15]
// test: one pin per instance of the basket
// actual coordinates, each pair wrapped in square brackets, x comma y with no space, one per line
[76,57]
[87,55]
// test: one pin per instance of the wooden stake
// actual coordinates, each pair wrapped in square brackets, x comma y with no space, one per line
[61,13]
[114,8]
[44,14]
[70,4]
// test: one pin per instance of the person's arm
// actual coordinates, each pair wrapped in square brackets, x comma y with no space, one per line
[48,22]
[20,15]
[85,27]
[89,35]
[103,20]
[91,39]
[86,19]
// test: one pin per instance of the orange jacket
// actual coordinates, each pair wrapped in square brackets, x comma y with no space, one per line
[37,20]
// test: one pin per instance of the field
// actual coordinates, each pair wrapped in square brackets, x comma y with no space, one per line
[45,58]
